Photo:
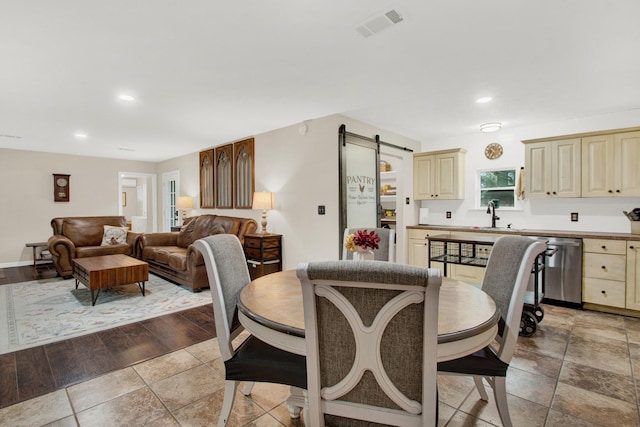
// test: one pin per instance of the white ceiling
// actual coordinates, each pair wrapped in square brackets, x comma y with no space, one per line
[210,72]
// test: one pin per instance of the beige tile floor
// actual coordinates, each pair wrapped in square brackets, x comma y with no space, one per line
[579,369]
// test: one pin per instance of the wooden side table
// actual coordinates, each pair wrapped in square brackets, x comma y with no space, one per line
[264,253]
[42,256]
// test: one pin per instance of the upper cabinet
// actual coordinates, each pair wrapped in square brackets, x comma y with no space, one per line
[439,175]
[552,168]
[597,164]
[610,165]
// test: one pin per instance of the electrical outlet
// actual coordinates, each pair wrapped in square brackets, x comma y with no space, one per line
[321,210]
[574,216]
[448,214]
[406,201]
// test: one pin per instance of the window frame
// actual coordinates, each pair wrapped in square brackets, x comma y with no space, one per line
[478,189]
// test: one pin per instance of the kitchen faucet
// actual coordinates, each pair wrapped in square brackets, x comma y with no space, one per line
[491,209]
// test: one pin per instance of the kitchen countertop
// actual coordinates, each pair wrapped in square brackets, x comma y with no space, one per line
[529,232]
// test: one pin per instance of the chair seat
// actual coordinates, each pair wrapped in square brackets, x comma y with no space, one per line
[483,362]
[255,360]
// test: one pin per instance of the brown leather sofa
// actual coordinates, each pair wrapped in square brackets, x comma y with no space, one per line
[80,237]
[172,255]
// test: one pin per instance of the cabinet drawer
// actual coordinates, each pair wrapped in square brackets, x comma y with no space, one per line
[271,243]
[424,234]
[603,246]
[604,292]
[603,266]
[250,242]
[466,273]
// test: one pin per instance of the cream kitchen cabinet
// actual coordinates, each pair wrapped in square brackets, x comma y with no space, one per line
[418,246]
[604,272]
[552,168]
[633,275]
[439,175]
[610,165]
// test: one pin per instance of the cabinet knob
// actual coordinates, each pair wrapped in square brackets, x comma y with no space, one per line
[604,267]
[554,193]
[604,247]
[617,191]
[603,292]
[631,247]
[548,193]
[610,191]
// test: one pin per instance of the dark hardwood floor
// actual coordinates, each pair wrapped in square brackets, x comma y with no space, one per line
[29,373]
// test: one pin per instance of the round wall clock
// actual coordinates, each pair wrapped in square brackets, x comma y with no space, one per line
[493,151]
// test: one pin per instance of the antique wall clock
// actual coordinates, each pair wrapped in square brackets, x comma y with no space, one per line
[493,151]
[60,187]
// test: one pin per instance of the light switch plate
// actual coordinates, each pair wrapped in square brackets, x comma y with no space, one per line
[448,214]
[321,210]
[574,216]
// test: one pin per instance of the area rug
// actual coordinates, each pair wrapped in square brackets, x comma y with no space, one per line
[45,311]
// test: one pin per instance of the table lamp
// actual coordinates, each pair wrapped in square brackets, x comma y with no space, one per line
[263,200]
[185,203]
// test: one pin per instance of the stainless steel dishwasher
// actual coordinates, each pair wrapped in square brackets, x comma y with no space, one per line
[563,271]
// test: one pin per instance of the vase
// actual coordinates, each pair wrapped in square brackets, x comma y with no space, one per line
[363,255]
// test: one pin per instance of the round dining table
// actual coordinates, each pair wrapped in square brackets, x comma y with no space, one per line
[270,307]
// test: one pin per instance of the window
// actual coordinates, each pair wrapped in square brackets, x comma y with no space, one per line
[497,184]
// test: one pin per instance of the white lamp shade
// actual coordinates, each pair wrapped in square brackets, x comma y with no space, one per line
[263,200]
[184,202]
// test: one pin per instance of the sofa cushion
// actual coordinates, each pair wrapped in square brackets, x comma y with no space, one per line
[206,225]
[88,251]
[184,239]
[114,235]
[177,261]
[162,253]
[87,231]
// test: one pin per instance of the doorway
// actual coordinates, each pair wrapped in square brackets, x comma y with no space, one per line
[138,202]
[170,188]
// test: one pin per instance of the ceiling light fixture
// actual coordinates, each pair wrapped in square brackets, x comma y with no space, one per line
[484,100]
[125,97]
[490,127]
[80,135]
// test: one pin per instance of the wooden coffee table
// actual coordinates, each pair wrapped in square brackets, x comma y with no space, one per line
[104,272]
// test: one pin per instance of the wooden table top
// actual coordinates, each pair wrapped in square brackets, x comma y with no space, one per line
[275,301]
[106,262]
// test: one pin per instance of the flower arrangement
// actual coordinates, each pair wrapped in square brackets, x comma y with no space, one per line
[361,239]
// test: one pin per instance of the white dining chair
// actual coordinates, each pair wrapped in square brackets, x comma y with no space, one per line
[505,280]
[371,342]
[252,360]
[386,248]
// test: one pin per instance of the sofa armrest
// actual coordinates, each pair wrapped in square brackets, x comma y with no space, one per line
[62,250]
[194,258]
[132,240]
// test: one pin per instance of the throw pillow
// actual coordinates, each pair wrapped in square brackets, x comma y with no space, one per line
[114,235]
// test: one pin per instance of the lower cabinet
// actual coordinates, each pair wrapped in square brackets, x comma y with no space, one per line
[611,273]
[418,246]
[633,275]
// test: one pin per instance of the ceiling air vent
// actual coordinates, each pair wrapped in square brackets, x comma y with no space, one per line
[379,23]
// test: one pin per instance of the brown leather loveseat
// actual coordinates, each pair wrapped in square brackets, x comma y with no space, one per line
[80,237]
[172,255]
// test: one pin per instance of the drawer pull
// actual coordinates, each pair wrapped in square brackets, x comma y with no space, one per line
[631,247]
[604,267]
[604,247]
[603,292]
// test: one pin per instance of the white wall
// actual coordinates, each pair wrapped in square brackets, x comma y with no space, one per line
[595,214]
[27,205]
[302,171]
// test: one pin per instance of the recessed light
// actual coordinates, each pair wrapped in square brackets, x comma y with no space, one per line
[80,135]
[484,100]
[490,127]
[126,97]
